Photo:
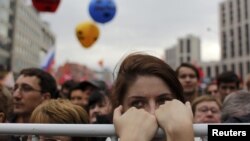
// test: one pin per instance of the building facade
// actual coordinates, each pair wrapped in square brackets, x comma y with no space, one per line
[234,39]
[234,22]
[188,49]
[171,56]
[5,13]
[31,37]
[24,38]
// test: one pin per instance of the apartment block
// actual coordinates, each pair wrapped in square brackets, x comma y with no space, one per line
[187,49]
[24,37]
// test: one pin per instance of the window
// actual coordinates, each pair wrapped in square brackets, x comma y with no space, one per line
[238,10]
[232,42]
[217,71]
[224,67]
[188,59]
[246,9]
[209,72]
[247,38]
[241,69]
[188,45]
[240,41]
[223,17]
[181,45]
[233,67]
[181,60]
[232,48]
[231,11]
[224,45]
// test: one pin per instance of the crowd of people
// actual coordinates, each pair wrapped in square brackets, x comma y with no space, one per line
[147,94]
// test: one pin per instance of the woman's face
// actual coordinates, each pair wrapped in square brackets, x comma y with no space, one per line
[147,92]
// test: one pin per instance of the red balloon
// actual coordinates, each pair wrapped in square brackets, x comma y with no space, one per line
[46,5]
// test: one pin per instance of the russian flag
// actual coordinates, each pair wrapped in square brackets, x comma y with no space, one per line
[49,60]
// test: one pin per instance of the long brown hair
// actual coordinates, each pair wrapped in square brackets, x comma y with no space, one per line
[138,64]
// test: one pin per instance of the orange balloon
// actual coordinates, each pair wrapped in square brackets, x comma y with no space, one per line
[87,33]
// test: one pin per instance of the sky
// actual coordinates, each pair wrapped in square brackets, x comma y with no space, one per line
[139,25]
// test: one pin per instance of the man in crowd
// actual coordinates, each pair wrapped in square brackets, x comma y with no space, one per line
[66,87]
[32,87]
[212,89]
[227,82]
[79,95]
[236,107]
[188,75]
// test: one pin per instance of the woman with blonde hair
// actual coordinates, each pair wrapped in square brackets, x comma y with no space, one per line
[60,111]
[5,105]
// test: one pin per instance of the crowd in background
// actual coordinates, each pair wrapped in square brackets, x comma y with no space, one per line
[37,98]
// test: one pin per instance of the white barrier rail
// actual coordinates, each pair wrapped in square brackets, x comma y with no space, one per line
[83,130]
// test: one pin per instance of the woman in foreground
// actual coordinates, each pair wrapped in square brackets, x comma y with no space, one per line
[147,95]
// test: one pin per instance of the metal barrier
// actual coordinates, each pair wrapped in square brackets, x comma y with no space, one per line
[83,130]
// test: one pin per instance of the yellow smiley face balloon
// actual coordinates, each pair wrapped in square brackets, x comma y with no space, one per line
[87,33]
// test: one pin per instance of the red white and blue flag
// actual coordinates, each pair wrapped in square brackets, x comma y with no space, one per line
[49,60]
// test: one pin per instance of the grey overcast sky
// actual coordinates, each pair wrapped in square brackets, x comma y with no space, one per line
[139,25]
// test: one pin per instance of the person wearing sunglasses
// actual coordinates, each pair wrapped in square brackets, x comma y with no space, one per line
[32,87]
